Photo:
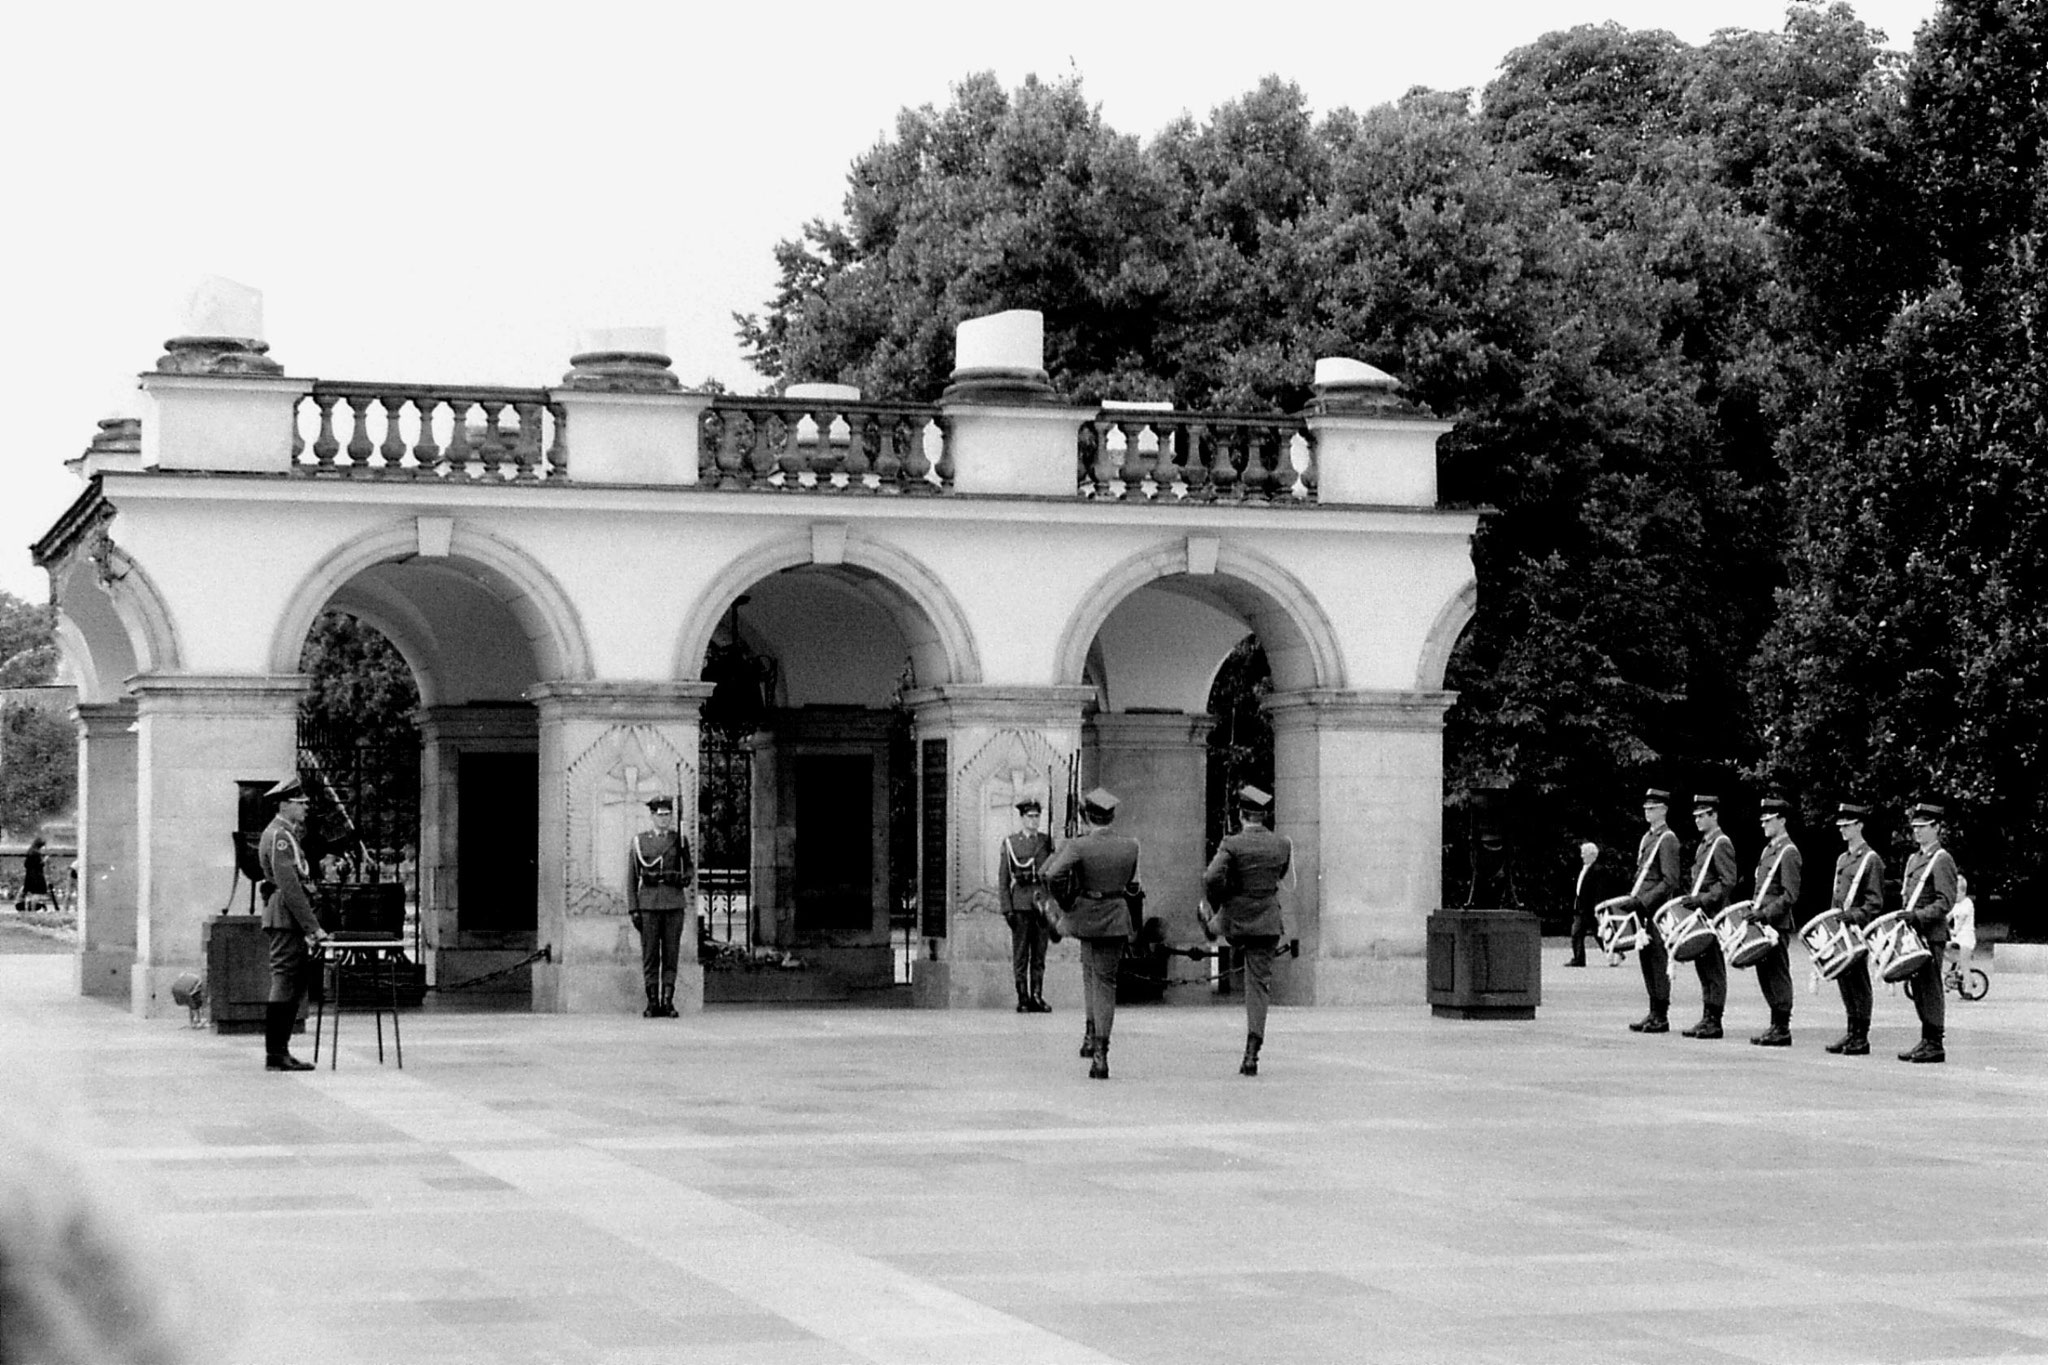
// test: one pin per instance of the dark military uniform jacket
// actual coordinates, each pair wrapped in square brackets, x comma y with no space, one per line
[1023,870]
[1715,858]
[1243,881]
[1930,912]
[290,904]
[1863,902]
[658,872]
[1777,885]
[1657,871]
[1102,866]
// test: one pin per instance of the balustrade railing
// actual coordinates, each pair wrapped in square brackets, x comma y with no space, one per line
[790,445]
[400,431]
[1196,457]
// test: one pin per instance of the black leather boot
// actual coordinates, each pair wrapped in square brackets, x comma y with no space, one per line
[668,1003]
[1098,1064]
[1709,1026]
[278,1018]
[1926,1050]
[1779,1034]
[1653,1022]
[1250,1065]
[1088,1040]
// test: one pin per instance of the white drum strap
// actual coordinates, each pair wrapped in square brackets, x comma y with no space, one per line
[1643,875]
[1925,873]
[1855,884]
[1707,864]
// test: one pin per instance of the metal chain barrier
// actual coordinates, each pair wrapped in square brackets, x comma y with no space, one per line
[546,953]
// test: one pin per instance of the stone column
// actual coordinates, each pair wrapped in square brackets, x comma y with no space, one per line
[196,736]
[1158,766]
[106,847]
[1001,744]
[446,733]
[1359,788]
[605,748]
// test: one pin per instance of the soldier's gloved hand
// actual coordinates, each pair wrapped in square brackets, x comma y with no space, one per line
[635,917]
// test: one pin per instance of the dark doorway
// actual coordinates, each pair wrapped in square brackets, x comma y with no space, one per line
[497,876]
[835,844]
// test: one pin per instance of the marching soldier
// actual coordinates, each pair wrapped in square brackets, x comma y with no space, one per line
[1859,896]
[1714,878]
[1243,884]
[1096,879]
[1777,898]
[289,922]
[658,880]
[1929,887]
[1656,882]
[1025,854]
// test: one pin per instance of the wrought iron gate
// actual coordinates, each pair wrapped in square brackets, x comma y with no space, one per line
[363,822]
[725,833]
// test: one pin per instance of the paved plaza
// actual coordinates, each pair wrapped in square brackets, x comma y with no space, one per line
[818,1187]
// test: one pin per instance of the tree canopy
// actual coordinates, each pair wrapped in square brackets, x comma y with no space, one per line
[1742,340]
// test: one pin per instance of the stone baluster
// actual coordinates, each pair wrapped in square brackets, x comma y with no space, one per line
[459,452]
[1308,466]
[1194,472]
[494,445]
[1284,475]
[558,445]
[1137,465]
[426,453]
[916,464]
[789,455]
[325,446]
[393,449]
[1222,469]
[863,435]
[526,455]
[889,459]
[359,447]
[1256,481]
[710,433]
[760,456]
[945,451]
[1104,468]
[298,439]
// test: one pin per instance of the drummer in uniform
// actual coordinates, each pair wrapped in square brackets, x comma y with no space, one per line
[290,923]
[1714,878]
[1657,881]
[1243,882]
[1022,878]
[1777,898]
[659,873]
[1096,878]
[1859,896]
[1929,888]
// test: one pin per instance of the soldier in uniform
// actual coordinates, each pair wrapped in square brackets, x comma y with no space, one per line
[1929,888]
[1022,876]
[658,881]
[1095,878]
[1656,882]
[289,922]
[1714,879]
[1243,884]
[1859,895]
[1777,898]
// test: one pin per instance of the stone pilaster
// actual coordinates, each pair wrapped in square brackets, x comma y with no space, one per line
[106,847]
[446,734]
[1359,788]
[605,748]
[1002,744]
[1158,766]
[196,736]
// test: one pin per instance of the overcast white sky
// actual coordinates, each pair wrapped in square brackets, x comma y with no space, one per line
[444,192]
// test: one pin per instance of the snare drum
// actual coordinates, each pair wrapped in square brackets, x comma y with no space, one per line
[1896,948]
[1617,924]
[1686,933]
[1743,943]
[1834,943]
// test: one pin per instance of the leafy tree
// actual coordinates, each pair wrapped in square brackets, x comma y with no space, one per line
[38,766]
[28,648]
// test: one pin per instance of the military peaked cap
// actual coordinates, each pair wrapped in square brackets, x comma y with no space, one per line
[1251,798]
[1029,806]
[1705,802]
[1100,804]
[1927,812]
[1774,805]
[1656,796]
[291,789]
[1849,812]
[659,804]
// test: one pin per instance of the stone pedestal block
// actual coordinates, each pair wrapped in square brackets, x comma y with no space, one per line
[106,847]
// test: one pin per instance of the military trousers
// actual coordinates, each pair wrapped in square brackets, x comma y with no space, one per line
[1774,979]
[1854,983]
[1099,959]
[1656,974]
[289,964]
[1257,950]
[1713,973]
[1027,952]
[661,942]
[1928,998]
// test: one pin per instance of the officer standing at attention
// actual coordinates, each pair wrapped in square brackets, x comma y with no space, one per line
[1929,887]
[658,882]
[1243,884]
[1022,876]
[1859,895]
[1713,880]
[289,922]
[1095,878]
[1777,898]
[1656,882]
